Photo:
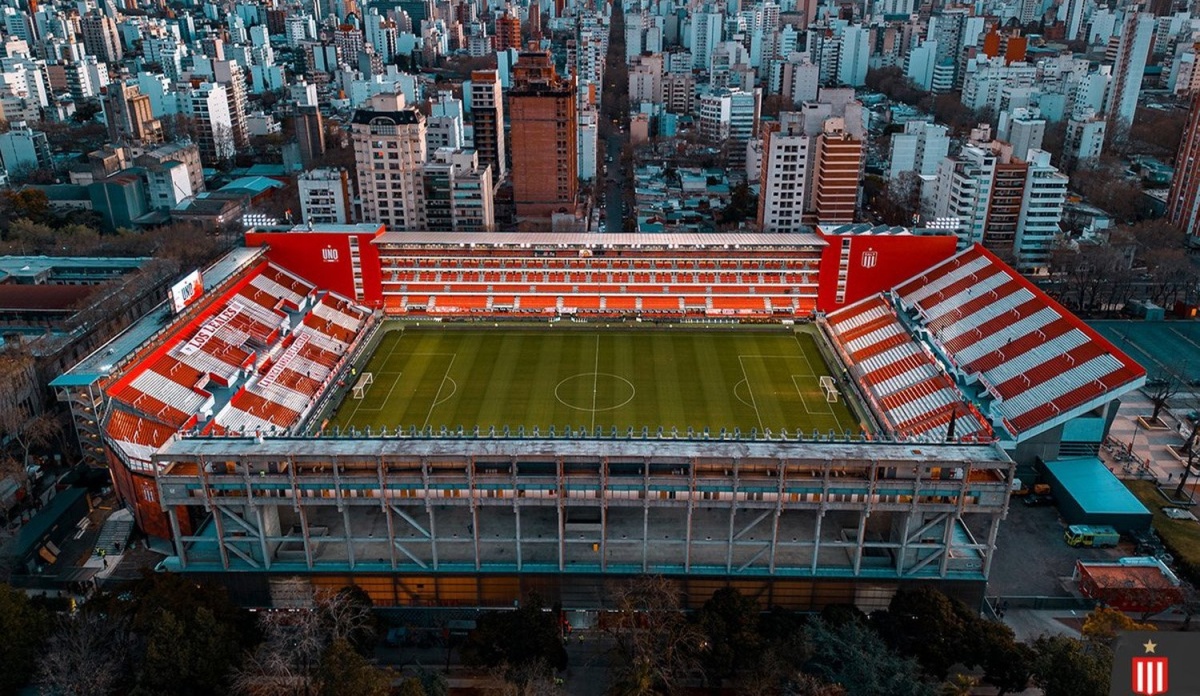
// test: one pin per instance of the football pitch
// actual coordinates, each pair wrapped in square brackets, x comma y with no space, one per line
[580,379]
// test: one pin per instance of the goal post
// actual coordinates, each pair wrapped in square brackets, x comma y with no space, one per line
[360,387]
[830,388]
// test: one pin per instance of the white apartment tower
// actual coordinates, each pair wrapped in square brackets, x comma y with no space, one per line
[389,150]
[1129,67]
[209,106]
[920,148]
[784,175]
[325,196]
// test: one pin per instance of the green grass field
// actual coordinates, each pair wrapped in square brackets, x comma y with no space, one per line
[669,378]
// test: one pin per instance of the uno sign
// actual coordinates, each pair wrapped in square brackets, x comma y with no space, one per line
[186,291]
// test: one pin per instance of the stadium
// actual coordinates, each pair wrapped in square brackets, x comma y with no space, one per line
[453,420]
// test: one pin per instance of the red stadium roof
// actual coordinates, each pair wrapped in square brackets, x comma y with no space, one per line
[1041,364]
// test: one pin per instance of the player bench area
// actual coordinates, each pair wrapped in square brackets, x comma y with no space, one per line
[365,380]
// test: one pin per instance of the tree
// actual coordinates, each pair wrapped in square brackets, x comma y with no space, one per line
[349,614]
[1102,624]
[88,655]
[655,646]
[729,620]
[1064,666]
[344,672]
[23,629]
[1162,387]
[927,625]
[960,685]
[854,656]
[187,653]
[807,685]
[1006,662]
[514,640]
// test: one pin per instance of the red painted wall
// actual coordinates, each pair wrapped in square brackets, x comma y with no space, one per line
[877,262]
[323,258]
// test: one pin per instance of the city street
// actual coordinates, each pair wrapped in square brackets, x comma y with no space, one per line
[614,125]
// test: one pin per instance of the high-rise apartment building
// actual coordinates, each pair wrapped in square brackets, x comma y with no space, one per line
[487,120]
[1041,210]
[545,150]
[1084,141]
[730,118]
[1009,205]
[1183,205]
[920,148]
[208,105]
[325,196]
[508,31]
[389,149]
[230,74]
[837,170]
[458,192]
[784,175]
[130,116]
[1129,68]
[100,37]
[23,148]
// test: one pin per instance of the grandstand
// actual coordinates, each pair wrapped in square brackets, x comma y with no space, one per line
[253,361]
[751,275]
[956,371]
[972,343]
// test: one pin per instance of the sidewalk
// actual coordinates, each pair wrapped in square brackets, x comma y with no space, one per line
[1149,446]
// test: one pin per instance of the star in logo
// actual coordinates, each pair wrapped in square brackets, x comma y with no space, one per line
[1149,645]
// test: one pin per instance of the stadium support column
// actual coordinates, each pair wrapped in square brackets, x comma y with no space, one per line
[779,493]
[993,531]
[474,500]
[180,546]
[433,534]
[301,512]
[825,473]
[385,506]
[512,475]
[687,552]
[603,514]
[645,515]
[861,537]
[732,515]
[562,531]
[218,520]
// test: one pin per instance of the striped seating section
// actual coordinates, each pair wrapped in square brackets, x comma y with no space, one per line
[1033,356]
[138,437]
[285,387]
[754,283]
[906,386]
[237,337]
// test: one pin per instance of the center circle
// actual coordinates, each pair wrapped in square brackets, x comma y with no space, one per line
[622,391]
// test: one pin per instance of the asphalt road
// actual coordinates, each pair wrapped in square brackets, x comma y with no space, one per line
[614,125]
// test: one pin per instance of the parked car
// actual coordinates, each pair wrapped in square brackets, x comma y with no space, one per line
[1039,500]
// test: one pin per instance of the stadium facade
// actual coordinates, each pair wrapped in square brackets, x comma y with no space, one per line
[209,417]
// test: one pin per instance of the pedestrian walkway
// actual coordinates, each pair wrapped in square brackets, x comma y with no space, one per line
[1150,456]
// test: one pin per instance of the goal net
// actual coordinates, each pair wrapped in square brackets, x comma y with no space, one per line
[830,388]
[364,381]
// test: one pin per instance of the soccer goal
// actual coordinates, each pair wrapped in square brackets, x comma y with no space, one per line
[830,388]
[364,381]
